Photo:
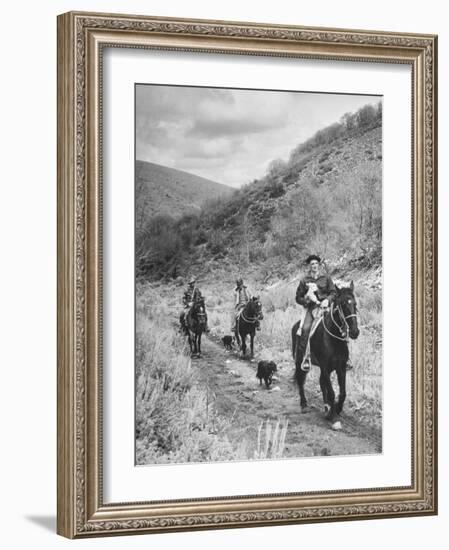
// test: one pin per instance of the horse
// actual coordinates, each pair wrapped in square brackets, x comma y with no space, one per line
[195,325]
[246,323]
[329,350]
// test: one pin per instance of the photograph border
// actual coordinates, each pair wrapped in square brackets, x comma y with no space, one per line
[81,39]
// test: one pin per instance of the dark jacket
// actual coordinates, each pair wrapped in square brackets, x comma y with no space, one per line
[326,289]
[191,295]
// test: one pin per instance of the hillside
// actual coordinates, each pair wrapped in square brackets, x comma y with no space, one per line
[161,190]
[327,199]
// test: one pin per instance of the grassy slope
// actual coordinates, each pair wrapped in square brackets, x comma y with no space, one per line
[326,168]
[164,190]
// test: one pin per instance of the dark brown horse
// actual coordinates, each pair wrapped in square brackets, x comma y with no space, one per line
[246,324]
[195,325]
[329,349]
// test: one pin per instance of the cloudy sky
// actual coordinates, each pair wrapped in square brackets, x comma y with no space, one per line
[230,136]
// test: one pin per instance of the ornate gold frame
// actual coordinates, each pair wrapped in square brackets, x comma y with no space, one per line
[81,37]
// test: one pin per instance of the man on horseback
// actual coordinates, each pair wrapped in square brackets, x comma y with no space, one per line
[191,295]
[315,293]
[241,297]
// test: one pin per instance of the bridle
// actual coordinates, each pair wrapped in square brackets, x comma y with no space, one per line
[344,327]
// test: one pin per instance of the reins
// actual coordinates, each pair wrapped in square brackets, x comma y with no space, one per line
[340,328]
[251,320]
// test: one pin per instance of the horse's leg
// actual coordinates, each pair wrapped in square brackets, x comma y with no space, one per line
[252,343]
[323,385]
[328,394]
[194,339]
[237,338]
[243,338]
[295,338]
[301,376]
[199,344]
[330,399]
[341,376]
[237,332]
[191,343]
[196,343]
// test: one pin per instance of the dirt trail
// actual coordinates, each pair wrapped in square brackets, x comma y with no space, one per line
[236,392]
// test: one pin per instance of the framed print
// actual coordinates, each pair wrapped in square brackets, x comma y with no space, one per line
[246,274]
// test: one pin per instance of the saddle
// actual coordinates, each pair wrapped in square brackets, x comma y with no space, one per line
[317,315]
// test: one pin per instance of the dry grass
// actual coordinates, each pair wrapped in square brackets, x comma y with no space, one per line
[271,440]
[175,419]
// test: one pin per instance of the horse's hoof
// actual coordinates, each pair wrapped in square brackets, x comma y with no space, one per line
[328,411]
[336,426]
[305,409]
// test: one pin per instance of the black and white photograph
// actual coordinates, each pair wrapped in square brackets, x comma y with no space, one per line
[258,274]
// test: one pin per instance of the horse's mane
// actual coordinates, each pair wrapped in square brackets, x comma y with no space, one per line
[344,291]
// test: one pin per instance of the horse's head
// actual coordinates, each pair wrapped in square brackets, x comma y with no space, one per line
[256,308]
[199,311]
[347,307]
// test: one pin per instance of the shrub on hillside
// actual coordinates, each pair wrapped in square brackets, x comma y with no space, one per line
[276,189]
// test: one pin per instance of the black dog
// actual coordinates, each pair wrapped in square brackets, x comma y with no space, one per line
[227,342]
[265,370]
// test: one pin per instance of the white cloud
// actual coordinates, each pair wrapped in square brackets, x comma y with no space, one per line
[230,136]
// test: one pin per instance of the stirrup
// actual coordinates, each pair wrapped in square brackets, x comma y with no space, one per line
[306,364]
[349,365]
